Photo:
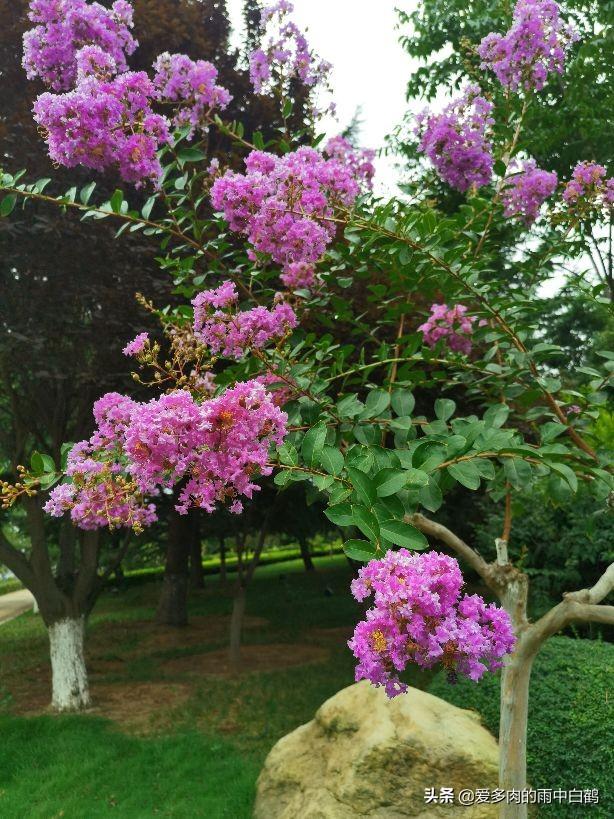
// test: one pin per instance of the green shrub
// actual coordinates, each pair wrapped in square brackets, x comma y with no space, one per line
[570,718]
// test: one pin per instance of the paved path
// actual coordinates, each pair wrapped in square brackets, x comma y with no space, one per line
[14,604]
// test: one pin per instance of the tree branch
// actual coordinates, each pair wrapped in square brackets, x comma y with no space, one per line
[452,541]
[598,592]
[576,607]
[16,562]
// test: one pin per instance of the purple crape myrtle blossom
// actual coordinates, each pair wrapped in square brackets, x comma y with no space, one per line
[450,324]
[192,86]
[535,46]
[284,205]
[299,275]
[137,345]
[230,332]
[526,191]
[66,26]
[360,160]
[284,54]
[105,124]
[456,141]
[213,450]
[419,616]
[588,187]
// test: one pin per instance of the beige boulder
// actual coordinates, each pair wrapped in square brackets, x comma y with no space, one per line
[365,755]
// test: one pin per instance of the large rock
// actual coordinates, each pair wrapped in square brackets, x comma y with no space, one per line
[365,755]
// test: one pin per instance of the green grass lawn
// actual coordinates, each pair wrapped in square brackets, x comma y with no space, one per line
[180,742]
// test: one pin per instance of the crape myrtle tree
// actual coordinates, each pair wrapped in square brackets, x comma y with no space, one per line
[62,320]
[253,378]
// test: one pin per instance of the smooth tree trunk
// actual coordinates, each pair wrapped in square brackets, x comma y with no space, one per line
[222,559]
[244,577]
[236,625]
[306,555]
[515,679]
[173,603]
[70,690]
[197,573]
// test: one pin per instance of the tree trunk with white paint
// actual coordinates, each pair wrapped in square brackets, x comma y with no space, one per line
[69,675]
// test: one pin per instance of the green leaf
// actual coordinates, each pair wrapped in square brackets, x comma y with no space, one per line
[287,109]
[282,478]
[496,416]
[48,463]
[191,155]
[403,534]
[340,514]
[64,452]
[444,408]
[430,496]
[390,481]
[551,430]
[148,206]
[86,192]
[366,522]
[288,454]
[567,473]
[37,464]
[349,407]
[403,402]
[360,550]
[313,444]
[416,477]
[331,460]
[466,473]
[7,204]
[363,486]
[377,402]
[116,201]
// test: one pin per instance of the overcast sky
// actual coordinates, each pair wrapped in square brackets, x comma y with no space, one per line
[370,69]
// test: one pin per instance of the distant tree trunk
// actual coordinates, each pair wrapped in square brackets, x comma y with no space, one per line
[306,555]
[236,624]
[173,604]
[197,574]
[222,559]
[244,577]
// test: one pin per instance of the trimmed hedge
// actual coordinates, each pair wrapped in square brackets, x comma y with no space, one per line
[570,719]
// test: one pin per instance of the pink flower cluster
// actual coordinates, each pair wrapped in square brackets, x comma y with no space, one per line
[419,617]
[452,324]
[137,345]
[281,391]
[298,275]
[105,123]
[105,117]
[359,160]
[588,187]
[192,86]
[284,53]
[534,46]
[527,190]
[210,452]
[231,332]
[64,27]
[284,204]
[456,140]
